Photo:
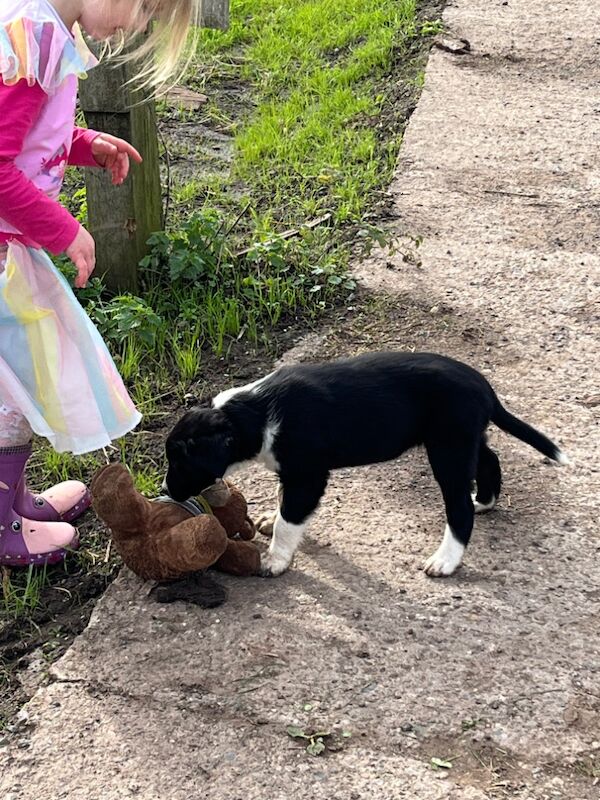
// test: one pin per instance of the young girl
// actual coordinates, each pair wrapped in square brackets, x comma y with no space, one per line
[56,375]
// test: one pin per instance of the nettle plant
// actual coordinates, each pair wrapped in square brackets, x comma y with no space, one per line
[198,292]
[125,316]
[194,253]
[215,292]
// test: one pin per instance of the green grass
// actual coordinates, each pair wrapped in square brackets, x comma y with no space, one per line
[22,596]
[315,67]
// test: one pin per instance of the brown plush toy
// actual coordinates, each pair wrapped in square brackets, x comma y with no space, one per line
[163,540]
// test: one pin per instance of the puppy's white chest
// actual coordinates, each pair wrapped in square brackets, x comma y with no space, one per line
[266,455]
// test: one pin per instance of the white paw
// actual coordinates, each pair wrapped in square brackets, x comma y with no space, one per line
[265,524]
[481,508]
[447,558]
[272,565]
[437,566]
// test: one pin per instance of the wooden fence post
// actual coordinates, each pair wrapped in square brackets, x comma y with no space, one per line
[215,14]
[121,218]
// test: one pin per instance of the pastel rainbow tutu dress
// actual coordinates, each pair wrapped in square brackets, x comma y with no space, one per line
[54,366]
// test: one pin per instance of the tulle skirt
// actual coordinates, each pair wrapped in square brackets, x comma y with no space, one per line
[54,367]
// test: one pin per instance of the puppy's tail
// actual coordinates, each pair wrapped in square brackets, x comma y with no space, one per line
[516,427]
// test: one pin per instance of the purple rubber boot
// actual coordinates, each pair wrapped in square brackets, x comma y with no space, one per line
[25,541]
[61,503]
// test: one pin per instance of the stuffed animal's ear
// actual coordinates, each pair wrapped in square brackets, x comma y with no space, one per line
[108,477]
[218,494]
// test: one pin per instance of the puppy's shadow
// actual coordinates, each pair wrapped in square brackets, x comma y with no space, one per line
[342,586]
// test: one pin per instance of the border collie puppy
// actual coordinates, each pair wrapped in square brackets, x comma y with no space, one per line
[303,421]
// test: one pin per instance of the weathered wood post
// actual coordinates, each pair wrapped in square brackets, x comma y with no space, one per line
[121,218]
[215,14]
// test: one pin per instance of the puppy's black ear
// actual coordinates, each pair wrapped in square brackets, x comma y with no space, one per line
[216,440]
[214,451]
[178,448]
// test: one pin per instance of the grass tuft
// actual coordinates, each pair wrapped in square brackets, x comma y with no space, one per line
[21,594]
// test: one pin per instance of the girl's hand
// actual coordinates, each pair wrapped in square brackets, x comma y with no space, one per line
[82,252]
[113,154]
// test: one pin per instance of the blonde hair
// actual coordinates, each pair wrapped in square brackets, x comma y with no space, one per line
[166,51]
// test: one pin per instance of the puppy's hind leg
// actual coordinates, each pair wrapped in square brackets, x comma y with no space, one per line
[299,498]
[266,523]
[453,466]
[489,479]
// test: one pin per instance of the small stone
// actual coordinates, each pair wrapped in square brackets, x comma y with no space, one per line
[452,45]
[23,717]
[186,98]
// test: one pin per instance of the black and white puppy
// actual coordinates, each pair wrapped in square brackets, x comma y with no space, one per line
[303,421]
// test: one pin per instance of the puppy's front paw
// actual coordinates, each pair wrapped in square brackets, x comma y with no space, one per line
[265,524]
[437,566]
[272,565]
[447,558]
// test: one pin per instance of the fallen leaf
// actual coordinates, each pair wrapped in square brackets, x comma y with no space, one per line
[440,763]
[296,733]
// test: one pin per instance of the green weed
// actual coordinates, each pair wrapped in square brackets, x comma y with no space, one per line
[21,594]
[199,293]
[148,482]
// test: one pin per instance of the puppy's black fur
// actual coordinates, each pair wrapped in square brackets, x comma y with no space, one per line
[309,419]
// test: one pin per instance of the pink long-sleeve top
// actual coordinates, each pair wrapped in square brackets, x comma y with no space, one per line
[35,217]
[40,61]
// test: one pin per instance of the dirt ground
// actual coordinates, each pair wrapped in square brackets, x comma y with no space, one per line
[482,685]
